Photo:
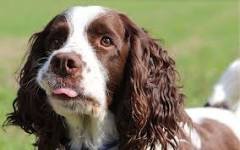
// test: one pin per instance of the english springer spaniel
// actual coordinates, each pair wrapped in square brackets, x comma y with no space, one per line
[95,80]
[226,92]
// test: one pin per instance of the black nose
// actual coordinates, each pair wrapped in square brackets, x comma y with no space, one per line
[64,64]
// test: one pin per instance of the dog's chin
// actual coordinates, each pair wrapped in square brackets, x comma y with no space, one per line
[76,107]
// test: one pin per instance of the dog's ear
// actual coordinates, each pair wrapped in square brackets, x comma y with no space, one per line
[31,110]
[152,105]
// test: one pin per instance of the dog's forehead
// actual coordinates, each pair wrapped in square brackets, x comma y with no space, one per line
[79,17]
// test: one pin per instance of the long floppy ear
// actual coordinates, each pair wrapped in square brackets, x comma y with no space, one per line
[151,104]
[31,110]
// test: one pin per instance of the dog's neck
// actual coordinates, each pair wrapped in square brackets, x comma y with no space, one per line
[92,133]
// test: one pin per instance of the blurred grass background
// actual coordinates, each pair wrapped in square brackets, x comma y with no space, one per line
[202,36]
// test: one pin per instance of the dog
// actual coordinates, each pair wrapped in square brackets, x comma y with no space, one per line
[95,80]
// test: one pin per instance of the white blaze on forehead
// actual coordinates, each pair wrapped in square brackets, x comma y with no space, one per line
[79,18]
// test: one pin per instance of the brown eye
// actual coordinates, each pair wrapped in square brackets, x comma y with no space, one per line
[106,41]
[55,44]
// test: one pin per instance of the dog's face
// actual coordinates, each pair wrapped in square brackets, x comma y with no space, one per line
[87,51]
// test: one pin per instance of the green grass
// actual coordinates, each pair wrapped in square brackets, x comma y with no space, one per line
[202,36]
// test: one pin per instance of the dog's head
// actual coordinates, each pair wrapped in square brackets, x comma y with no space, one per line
[88,60]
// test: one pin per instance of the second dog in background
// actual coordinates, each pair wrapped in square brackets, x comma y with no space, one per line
[226,92]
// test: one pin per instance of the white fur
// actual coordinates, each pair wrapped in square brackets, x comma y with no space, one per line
[224,116]
[88,126]
[95,80]
[227,88]
[198,115]
[91,131]
[193,135]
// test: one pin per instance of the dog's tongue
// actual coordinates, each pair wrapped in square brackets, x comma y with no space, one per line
[65,91]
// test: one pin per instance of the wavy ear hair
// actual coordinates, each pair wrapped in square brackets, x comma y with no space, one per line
[151,104]
[31,110]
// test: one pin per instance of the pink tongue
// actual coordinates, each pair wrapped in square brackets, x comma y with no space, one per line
[66,91]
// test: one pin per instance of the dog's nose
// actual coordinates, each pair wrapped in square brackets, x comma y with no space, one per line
[64,64]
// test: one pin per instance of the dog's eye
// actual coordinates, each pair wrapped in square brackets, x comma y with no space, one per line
[55,44]
[106,41]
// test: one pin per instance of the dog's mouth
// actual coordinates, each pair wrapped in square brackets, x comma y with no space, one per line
[63,88]
[70,94]
[67,90]
[65,94]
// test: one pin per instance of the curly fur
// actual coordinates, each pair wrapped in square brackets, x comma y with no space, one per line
[31,109]
[148,103]
[152,104]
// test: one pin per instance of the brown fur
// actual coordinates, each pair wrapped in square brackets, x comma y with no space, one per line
[114,57]
[31,109]
[215,135]
[150,102]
